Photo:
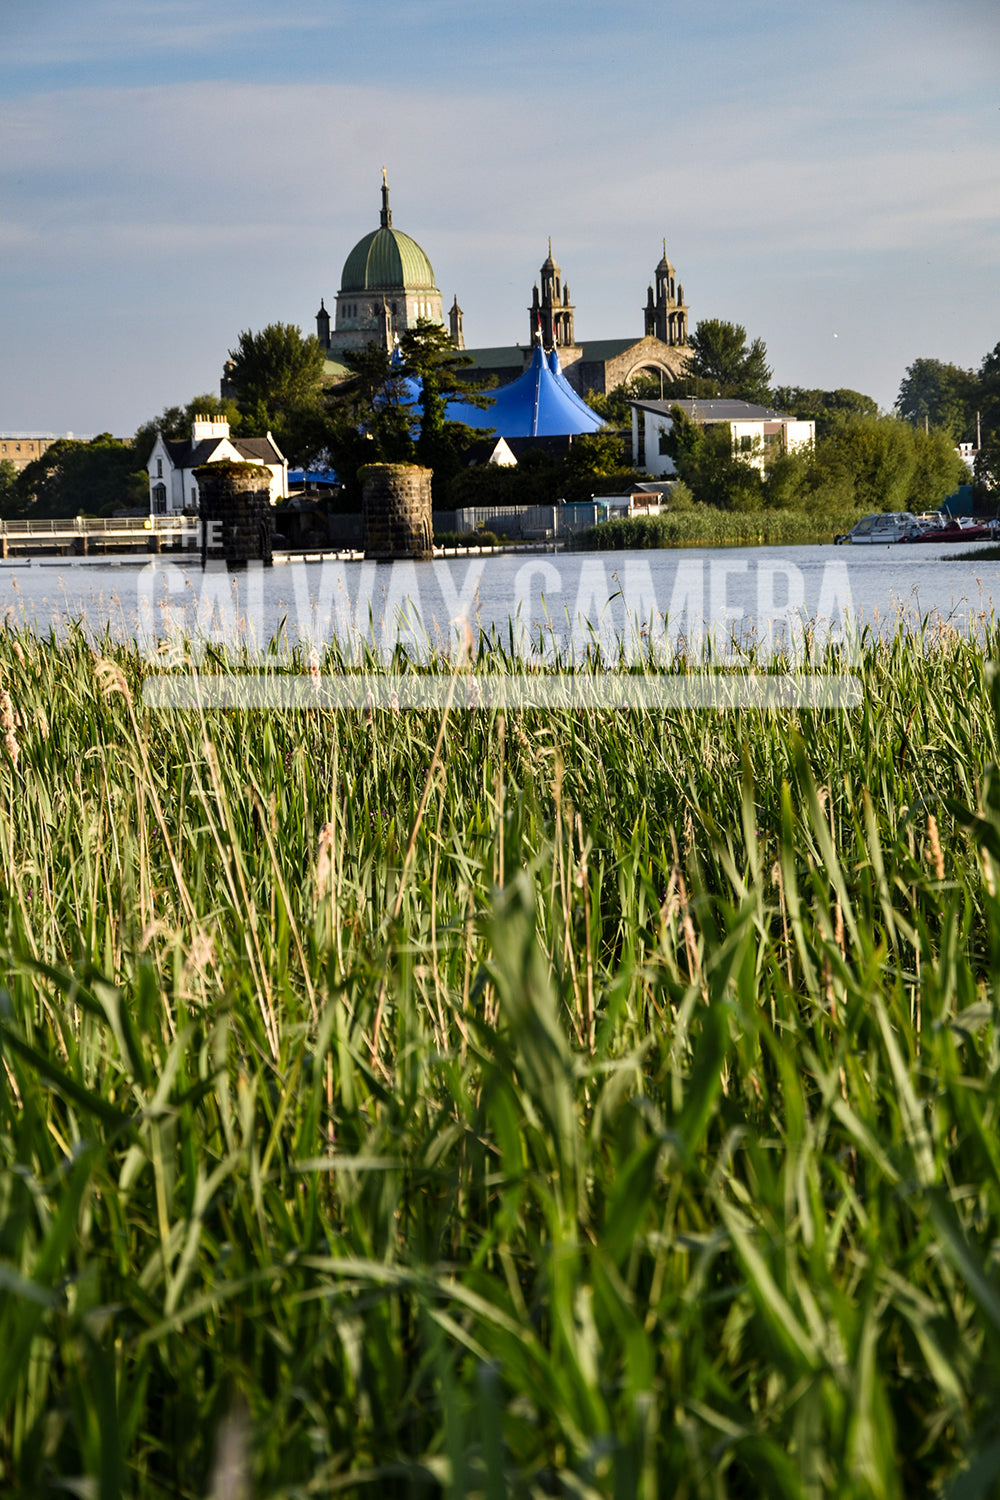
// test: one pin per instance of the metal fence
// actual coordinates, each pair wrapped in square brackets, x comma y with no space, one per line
[73,526]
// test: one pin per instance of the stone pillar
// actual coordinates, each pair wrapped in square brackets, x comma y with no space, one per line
[235,513]
[396,505]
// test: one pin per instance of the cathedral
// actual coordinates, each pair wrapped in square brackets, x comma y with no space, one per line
[388,283]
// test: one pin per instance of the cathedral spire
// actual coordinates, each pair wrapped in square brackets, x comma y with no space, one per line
[385,218]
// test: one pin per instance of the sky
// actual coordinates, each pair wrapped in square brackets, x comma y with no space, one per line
[172,173]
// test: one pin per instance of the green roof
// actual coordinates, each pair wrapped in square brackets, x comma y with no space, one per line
[498,358]
[385,261]
[604,349]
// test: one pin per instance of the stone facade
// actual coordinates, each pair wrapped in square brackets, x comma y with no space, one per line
[21,449]
[396,503]
[235,513]
[600,368]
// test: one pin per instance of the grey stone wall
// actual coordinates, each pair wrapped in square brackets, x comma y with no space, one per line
[396,505]
[235,513]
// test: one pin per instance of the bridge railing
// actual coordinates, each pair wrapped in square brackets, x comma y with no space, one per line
[100,526]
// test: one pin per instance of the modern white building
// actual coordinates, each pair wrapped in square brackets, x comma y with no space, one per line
[756,430]
[173,485]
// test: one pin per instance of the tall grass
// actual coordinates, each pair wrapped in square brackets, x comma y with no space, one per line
[412,1104]
[706,526]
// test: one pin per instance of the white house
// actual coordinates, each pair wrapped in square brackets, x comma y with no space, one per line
[755,429]
[173,486]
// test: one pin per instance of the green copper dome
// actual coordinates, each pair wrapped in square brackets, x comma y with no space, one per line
[386,260]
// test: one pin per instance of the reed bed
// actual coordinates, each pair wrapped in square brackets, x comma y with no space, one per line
[493,1104]
[706,526]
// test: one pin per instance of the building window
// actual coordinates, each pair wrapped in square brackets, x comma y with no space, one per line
[664,440]
[159,499]
[159,468]
[746,443]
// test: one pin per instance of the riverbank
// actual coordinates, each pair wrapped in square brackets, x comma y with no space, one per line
[503,1100]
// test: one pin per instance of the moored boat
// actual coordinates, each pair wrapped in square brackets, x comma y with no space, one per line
[882,529]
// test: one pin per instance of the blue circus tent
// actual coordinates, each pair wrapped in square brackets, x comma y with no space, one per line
[539,403]
[536,404]
[564,385]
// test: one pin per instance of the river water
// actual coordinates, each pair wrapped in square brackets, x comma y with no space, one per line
[539,602]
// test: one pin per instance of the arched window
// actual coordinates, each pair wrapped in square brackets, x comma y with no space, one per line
[159,499]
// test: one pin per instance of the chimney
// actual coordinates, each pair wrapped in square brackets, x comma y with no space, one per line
[208,428]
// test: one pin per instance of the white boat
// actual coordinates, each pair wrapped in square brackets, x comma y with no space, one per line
[881,529]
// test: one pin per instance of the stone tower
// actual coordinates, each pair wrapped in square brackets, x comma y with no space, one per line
[455,322]
[552,313]
[666,313]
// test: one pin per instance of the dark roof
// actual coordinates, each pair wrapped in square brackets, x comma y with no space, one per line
[482,451]
[261,448]
[184,455]
[519,446]
[716,411]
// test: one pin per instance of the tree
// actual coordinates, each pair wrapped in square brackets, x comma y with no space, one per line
[720,353]
[73,478]
[828,409]
[934,394]
[174,422]
[369,418]
[988,397]
[937,469]
[876,455]
[8,479]
[614,406]
[429,356]
[704,459]
[987,472]
[275,373]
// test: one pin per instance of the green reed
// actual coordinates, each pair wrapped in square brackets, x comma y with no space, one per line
[499,1103]
[705,526]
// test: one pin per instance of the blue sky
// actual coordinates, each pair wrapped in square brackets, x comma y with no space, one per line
[174,172]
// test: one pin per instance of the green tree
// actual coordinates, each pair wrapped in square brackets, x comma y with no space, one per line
[614,406]
[429,356]
[368,418]
[937,469]
[72,478]
[786,480]
[934,394]
[987,473]
[276,376]
[876,455]
[988,397]
[720,353]
[704,459]
[828,409]
[8,481]
[174,422]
